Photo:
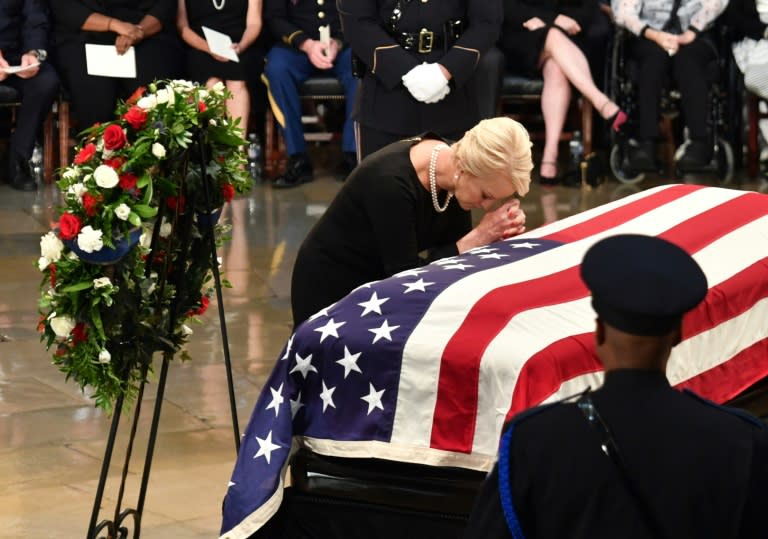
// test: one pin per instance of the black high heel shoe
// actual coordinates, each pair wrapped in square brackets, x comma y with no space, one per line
[550,181]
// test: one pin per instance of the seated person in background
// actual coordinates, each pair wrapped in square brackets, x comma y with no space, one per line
[241,21]
[428,66]
[23,42]
[413,196]
[149,26]
[636,458]
[747,21]
[543,37]
[300,55]
[664,42]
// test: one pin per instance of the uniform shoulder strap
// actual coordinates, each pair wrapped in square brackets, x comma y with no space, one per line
[741,414]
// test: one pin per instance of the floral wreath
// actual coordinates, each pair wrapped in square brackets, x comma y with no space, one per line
[130,263]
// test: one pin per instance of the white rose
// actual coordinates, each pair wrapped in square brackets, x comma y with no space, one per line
[218,87]
[62,326]
[202,93]
[102,282]
[105,356]
[212,122]
[123,211]
[106,176]
[71,173]
[43,263]
[166,95]
[158,150]
[148,102]
[165,229]
[77,190]
[89,240]
[186,330]
[51,247]
[145,240]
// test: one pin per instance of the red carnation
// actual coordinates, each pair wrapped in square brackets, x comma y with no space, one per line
[115,162]
[91,203]
[128,181]
[85,154]
[69,226]
[204,302]
[79,333]
[136,117]
[173,202]
[201,106]
[114,137]
[228,192]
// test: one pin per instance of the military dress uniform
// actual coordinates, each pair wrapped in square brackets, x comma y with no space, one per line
[292,22]
[635,459]
[391,37]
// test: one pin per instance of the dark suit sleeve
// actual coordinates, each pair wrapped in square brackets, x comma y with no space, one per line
[275,14]
[487,517]
[35,31]
[165,12]
[71,14]
[753,524]
[516,12]
[743,20]
[484,18]
[387,60]
[583,13]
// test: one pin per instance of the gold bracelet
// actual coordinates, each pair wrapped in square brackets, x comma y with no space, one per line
[109,24]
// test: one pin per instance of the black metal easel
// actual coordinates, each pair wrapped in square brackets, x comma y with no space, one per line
[116,528]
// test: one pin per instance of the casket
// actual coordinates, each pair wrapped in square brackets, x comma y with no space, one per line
[395,396]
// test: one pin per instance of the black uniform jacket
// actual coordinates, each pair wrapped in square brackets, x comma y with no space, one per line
[702,470]
[70,15]
[23,27]
[294,23]
[742,20]
[383,101]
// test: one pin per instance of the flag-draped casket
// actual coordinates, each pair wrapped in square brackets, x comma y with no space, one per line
[425,366]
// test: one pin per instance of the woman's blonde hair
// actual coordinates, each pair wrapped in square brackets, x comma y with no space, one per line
[497,146]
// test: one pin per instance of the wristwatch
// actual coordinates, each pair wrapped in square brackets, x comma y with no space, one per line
[41,54]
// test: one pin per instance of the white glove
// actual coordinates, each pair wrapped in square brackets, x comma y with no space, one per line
[426,83]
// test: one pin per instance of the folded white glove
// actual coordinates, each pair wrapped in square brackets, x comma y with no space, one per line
[426,83]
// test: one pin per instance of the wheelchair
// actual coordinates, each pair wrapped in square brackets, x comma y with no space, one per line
[724,113]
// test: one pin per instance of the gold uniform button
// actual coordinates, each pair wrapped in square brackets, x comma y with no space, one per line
[320,2]
[320,15]
[424,1]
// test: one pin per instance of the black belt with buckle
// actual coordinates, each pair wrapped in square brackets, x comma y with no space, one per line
[424,41]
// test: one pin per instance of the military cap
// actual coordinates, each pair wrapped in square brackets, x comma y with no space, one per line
[642,285]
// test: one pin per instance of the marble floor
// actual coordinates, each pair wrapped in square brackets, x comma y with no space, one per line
[52,439]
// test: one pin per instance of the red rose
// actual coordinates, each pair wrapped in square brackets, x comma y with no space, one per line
[136,116]
[114,137]
[85,154]
[201,107]
[128,181]
[69,226]
[115,162]
[173,202]
[79,333]
[228,192]
[204,302]
[90,203]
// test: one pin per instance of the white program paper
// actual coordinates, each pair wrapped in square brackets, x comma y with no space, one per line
[103,61]
[220,44]
[325,34]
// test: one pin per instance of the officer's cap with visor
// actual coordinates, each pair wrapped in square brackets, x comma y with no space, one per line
[642,285]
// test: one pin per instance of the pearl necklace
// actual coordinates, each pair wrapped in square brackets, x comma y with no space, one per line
[433,179]
[219,5]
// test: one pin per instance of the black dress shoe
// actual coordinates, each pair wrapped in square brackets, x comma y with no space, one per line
[21,175]
[346,165]
[697,155]
[642,158]
[297,172]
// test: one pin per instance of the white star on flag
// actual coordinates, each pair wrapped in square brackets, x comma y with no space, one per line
[419,285]
[327,396]
[496,256]
[446,261]
[384,331]
[349,362]
[373,398]
[318,314]
[303,365]
[296,405]
[482,250]
[287,349]
[373,305]
[231,484]
[461,267]
[526,245]
[329,329]
[411,273]
[277,399]
[265,447]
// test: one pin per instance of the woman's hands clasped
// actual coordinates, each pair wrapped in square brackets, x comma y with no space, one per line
[504,222]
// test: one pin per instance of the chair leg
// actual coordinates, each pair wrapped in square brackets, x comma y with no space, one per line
[48,150]
[63,117]
[586,125]
[753,150]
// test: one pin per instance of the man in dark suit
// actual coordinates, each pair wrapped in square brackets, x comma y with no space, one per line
[303,52]
[636,458]
[418,60]
[23,42]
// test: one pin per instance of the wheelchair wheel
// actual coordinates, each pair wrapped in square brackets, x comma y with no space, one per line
[626,177]
[724,160]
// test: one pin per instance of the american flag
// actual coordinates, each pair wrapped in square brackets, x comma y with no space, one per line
[425,366]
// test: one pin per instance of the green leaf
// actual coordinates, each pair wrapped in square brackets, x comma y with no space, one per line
[96,319]
[134,219]
[145,211]
[77,287]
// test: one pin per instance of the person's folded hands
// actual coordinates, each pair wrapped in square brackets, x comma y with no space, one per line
[426,83]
